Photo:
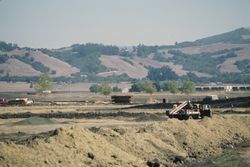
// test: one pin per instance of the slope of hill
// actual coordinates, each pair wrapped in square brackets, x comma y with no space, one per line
[29,62]
[210,59]
[119,64]
[238,36]
[16,67]
[61,68]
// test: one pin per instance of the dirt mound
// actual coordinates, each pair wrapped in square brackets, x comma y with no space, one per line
[171,142]
[152,101]
[67,147]
[34,121]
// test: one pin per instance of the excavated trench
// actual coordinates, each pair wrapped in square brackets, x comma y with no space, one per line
[139,116]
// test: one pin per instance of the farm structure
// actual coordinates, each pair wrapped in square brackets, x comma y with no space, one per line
[121,99]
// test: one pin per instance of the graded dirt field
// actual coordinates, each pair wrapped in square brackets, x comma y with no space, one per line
[58,131]
[170,142]
[114,135]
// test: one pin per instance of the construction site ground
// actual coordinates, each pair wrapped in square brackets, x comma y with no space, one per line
[53,132]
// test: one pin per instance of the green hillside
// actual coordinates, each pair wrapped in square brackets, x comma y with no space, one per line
[221,58]
[236,37]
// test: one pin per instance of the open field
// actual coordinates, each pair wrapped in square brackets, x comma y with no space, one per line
[84,129]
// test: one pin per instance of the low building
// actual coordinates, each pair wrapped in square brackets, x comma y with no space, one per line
[121,99]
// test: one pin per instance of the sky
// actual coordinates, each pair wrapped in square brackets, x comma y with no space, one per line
[61,23]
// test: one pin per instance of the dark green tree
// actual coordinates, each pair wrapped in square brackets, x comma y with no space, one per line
[136,86]
[187,87]
[149,87]
[116,89]
[106,89]
[172,86]
[95,88]
[161,74]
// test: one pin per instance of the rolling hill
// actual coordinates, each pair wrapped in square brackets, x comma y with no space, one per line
[209,59]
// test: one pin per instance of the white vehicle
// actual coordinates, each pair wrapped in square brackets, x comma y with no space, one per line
[21,101]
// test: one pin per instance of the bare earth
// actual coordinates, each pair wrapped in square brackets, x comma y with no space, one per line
[118,64]
[85,133]
[171,142]
[17,68]
[61,68]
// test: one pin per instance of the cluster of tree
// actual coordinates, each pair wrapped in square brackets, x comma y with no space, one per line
[159,57]
[6,47]
[144,51]
[86,77]
[3,58]
[116,89]
[204,62]
[185,44]
[85,57]
[35,64]
[125,52]
[161,74]
[171,86]
[142,86]
[194,78]
[231,78]
[43,83]
[103,88]
[244,66]
[90,48]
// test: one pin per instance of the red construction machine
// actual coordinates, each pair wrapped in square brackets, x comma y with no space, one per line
[189,110]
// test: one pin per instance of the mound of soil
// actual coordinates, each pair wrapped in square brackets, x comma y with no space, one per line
[171,142]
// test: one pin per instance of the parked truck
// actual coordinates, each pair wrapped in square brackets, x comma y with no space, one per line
[20,101]
[3,102]
[189,110]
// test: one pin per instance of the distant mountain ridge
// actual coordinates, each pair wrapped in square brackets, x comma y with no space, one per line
[234,37]
[206,59]
[238,36]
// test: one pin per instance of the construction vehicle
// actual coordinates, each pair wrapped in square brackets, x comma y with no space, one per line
[189,110]
[3,102]
[20,101]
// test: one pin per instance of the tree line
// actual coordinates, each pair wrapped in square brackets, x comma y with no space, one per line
[45,82]
[171,86]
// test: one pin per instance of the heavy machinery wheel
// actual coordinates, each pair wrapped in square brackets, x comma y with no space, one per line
[210,113]
[195,116]
[187,117]
[167,113]
[180,117]
[207,113]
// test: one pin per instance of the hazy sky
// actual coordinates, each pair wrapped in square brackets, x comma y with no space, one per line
[58,23]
